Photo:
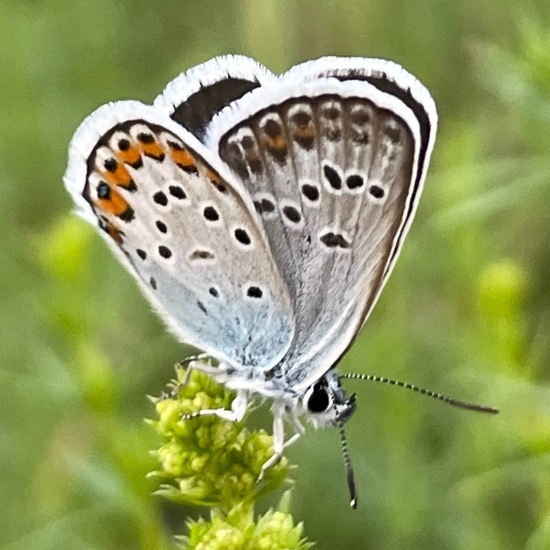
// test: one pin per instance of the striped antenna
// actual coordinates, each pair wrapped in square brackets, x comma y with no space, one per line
[345,451]
[429,393]
[349,467]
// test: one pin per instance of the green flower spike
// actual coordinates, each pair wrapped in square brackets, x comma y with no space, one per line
[274,531]
[208,461]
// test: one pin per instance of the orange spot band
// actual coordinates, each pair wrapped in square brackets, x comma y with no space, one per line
[113,232]
[115,204]
[183,158]
[276,143]
[120,176]
[152,149]
[130,156]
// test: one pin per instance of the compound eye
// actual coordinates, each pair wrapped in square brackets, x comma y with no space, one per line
[319,400]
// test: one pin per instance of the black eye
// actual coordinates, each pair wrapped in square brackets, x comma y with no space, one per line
[318,400]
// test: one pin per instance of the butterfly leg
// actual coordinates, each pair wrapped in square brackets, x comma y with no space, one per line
[279,443]
[192,359]
[235,414]
[208,369]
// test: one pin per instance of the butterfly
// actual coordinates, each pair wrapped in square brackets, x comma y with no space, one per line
[261,216]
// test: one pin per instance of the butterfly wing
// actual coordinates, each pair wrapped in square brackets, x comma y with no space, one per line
[195,96]
[185,228]
[391,78]
[335,168]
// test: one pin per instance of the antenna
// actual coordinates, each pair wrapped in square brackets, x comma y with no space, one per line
[428,393]
[349,467]
[345,451]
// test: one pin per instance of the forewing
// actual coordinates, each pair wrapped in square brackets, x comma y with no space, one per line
[333,169]
[186,229]
[195,96]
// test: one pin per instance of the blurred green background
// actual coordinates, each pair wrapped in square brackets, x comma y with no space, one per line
[467,310]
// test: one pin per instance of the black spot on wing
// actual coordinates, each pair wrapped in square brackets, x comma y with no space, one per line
[332,176]
[242,236]
[334,240]
[311,192]
[211,214]
[292,214]
[254,292]
[160,198]
[264,206]
[376,191]
[355,181]
[177,192]
[103,190]
[199,254]
[165,252]
[128,215]
[110,165]
[146,137]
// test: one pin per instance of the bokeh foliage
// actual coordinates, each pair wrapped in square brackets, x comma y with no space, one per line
[467,310]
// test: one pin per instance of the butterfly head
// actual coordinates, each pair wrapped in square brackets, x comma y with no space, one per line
[326,404]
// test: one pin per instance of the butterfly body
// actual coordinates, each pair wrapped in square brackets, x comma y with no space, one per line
[262,215]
